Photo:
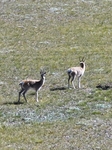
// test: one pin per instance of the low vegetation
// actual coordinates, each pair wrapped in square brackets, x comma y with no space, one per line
[52,35]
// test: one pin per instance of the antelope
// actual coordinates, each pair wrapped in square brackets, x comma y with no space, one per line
[78,72]
[34,84]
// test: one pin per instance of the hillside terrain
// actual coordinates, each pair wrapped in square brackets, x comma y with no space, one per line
[53,35]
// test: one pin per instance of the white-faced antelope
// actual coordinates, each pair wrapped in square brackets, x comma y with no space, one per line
[34,84]
[78,72]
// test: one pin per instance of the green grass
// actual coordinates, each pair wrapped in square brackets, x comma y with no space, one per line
[53,35]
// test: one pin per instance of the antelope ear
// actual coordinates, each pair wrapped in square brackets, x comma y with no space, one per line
[80,59]
[83,59]
[41,71]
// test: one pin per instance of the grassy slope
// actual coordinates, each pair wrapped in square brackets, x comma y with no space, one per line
[53,35]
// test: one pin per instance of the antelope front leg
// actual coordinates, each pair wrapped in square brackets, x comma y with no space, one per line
[37,96]
[79,82]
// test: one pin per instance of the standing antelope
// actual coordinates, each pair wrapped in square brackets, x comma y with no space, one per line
[74,72]
[34,84]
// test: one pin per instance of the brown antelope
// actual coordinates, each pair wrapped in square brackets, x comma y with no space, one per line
[78,72]
[34,84]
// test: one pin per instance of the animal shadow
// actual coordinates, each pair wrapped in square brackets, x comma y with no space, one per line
[58,88]
[13,103]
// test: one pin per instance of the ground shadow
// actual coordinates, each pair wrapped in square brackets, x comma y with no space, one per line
[13,103]
[106,86]
[58,88]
